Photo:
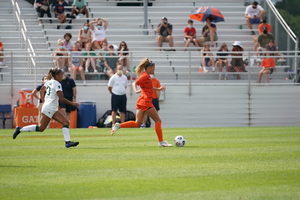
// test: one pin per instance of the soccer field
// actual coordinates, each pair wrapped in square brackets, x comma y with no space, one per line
[216,163]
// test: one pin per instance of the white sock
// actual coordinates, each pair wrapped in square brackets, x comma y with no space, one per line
[213,68]
[29,128]
[204,68]
[66,132]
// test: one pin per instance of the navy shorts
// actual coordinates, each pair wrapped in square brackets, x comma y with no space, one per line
[156,104]
[118,102]
[68,107]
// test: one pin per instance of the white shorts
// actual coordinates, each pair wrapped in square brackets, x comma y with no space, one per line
[49,112]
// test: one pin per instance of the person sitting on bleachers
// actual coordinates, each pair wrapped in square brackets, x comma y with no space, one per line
[42,7]
[76,63]
[207,60]
[67,42]
[254,15]
[222,60]
[190,34]
[124,57]
[111,62]
[60,61]
[264,24]
[209,32]
[1,54]
[79,6]
[263,39]
[84,35]
[268,66]
[164,31]
[237,63]
[98,32]
[90,58]
[59,11]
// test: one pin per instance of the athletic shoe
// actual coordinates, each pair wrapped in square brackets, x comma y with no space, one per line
[164,144]
[71,144]
[143,126]
[17,132]
[115,128]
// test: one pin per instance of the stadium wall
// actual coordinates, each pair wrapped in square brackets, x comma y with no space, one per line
[207,106]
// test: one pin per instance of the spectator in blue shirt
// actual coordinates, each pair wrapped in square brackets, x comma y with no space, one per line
[59,12]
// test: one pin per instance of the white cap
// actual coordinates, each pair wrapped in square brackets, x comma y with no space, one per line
[237,43]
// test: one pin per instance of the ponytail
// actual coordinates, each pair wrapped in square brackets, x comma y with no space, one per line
[144,64]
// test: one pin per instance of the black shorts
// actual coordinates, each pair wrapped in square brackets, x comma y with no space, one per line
[156,104]
[118,102]
[68,107]
[78,12]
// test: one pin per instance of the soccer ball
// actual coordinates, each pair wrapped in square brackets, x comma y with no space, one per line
[179,141]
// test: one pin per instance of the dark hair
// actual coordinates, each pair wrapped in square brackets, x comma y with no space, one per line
[255,3]
[52,72]
[126,48]
[68,34]
[210,17]
[190,21]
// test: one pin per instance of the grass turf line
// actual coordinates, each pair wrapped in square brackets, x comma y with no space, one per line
[216,163]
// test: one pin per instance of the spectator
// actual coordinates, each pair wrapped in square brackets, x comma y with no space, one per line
[222,60]
[268,65]
[42,7]
[59,13]
[124,57]
[50,108]
[1,54]
[206,59]
[164,31]
[70,92]
[79,6]
[90,58]
[144,103]
[254,15]
[117,85]
[40,102]
[67,43]
[76,63]
[237,63]
[111,61]
[190,34]
[209,32]
[60,52]
[263,39]
[84,35]
[99,35]
[155,98]
[263,25]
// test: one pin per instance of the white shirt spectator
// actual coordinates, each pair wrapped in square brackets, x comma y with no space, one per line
[118,84]
[98,35]
[250,11]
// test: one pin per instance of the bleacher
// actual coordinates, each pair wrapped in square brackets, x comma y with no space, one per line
[126,23]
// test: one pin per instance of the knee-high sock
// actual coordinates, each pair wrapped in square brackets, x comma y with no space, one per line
[30,128]
[66,132]
[158,131]
[129,124]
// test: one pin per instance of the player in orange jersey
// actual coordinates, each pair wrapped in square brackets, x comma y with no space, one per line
[144,103]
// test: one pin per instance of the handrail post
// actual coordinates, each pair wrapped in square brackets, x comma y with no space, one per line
[190,74]
[146,17]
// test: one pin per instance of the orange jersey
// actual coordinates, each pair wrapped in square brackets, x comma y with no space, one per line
[261,27]
[145,83]
[155,84]
[268,62]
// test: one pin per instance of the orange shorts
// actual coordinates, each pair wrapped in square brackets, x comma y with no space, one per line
[143,108]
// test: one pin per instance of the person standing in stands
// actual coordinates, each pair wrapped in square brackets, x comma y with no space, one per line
[117,85]
[50,110]
[164,31]
[79,6]
[42,7]
[144,103]
[70,93]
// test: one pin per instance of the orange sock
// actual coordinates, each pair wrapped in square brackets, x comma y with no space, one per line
[129,124]
[158,131]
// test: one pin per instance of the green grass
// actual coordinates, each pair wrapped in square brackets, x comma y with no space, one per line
[216,163]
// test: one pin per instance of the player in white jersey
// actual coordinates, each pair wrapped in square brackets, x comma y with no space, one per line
[50,110]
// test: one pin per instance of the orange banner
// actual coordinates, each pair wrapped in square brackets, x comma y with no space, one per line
[28,116]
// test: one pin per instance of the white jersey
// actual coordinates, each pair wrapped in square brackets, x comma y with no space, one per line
[118,84]
[51,98]
[251,11]
[98,35]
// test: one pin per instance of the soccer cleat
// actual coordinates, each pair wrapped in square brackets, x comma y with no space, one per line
[17,132]
[71,144]
[164,144]
[115,128]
